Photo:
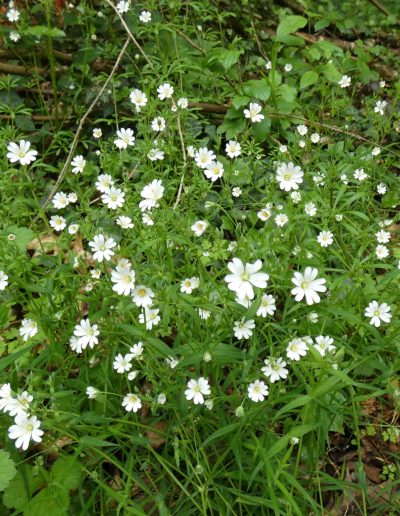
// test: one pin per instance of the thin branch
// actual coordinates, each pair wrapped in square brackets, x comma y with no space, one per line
[81,124]
[128,31]
[190,41]
[178,196]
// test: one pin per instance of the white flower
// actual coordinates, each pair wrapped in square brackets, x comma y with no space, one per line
[57,222]
[104,182]
[28,329]
[378,312]
[233,149]
[97,132]
[296,197]
[190,284]
[138,98]
[158,123]
[380,107]
[203,314]
[236,191]
[283,148]
[199,227]
[382,236]
[288,67]
[296,349]
[324,344]
[6,396]
[92,392]
[124,222]
[78,164]
[142,296]
[214,170]
[243,329]
[197,389]
[125,138]
[376,151]
[313,317]
[254,112]
[265,213]
[102,247]
[302,129]
[20,152]
[3,280]
[124,280]
[302,144]
[267,306]
[136,350]
[360,174]
[145,16]
[60,200]
[381,188]
[150,317]
[86,333]
[165,91]
[123,6]
[268,65]
[151,194]
[308,286]
[344,178]
[13,15]
[257,391]
[183,103]
[15,36]
[72,197]
[325,238]
[275,369]
[25,429]
[19,405]
[381,252]
[172,362]
[310,209]
[73,228]
[122,363]
[113,198]
[147,219]
[132,375]
[281,220]
[244,276]
[315,138]
[155,154]
[289,176]
[204,157]
[132,403]
[74,344]
[345,81]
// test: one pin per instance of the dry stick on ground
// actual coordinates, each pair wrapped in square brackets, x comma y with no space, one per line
[131,36]
[81,123]
[178,196]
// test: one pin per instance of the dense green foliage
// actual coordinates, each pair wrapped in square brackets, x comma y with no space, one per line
[324,75]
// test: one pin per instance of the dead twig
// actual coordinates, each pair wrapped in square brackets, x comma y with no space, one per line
[82,122]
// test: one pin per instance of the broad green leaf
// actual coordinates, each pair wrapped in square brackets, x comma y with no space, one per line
[289,25]
[331,73]
[67,472]
[308,79]
[7,469]
[41,30]
[288,93]
[227,58]
[22,235]
[257,89]
[51,500]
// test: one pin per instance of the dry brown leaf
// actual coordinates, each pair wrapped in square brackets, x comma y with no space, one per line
[157,439]
[45,244]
